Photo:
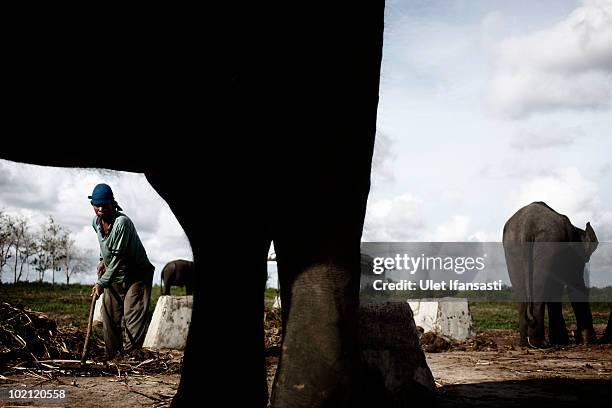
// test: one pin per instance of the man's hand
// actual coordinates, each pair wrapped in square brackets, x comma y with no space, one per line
[97,290]
[100,269]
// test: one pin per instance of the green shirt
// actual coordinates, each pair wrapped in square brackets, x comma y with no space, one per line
[122,252]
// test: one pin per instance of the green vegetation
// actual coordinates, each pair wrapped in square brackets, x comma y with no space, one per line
[69,304]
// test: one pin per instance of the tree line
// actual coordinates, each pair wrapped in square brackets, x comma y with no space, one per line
[49,248]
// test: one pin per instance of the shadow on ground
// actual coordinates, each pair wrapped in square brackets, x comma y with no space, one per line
[551,392]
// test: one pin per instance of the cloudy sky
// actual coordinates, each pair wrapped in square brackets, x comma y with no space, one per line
[485,107]
[39,192]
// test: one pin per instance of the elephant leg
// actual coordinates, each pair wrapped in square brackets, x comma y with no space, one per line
[230,313]
[535,330]
[585,333]
[557,331]
[319,364]
[542,287]
[166,289]
[522,309]
[607,337]
[579,296]
[168,276]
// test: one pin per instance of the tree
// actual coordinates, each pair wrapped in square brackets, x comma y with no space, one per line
[72,259]
[5,241]
[18,227]
[51,235]
[41,260]
[28,249]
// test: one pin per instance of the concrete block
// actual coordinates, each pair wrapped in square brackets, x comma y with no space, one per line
[448,316]
[170,323]
[396,368]
[277,303]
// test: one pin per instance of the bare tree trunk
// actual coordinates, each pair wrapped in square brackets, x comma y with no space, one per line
[16,258]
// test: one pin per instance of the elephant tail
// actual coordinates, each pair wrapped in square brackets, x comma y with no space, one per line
[161,283]
[531,321]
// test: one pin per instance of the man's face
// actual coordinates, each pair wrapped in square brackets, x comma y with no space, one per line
[103,210]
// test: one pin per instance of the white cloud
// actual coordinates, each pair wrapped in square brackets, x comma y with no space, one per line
[567,66]
[454,230]
[394,220]
[382,159]
[568,192]
[603,226]
[544,138]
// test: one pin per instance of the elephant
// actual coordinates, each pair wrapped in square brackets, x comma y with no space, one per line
[544,254]
[607,337]
[177,273]
[283,95]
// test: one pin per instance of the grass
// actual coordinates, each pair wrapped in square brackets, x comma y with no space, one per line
[504,315]
[69,304]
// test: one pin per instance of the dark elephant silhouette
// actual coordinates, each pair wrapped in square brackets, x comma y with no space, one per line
[607,337]
[277,94]
[545,253]
[177,273]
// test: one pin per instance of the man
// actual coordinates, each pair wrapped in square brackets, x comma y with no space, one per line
[124,272]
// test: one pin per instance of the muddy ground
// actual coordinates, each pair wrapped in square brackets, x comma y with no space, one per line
[496,373]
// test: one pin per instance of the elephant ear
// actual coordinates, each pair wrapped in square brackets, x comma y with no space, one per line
[590,233]
[590,241]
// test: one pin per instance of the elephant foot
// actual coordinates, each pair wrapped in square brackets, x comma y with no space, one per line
[559,342]
[537,343]
[585,336]
[559,339]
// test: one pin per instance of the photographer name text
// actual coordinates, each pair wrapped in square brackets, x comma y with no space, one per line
[429,284]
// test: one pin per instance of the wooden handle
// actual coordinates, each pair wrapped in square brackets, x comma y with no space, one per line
[87,335]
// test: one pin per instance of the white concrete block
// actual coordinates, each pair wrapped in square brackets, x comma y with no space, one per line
[170,323]
[277,303]
[448,316]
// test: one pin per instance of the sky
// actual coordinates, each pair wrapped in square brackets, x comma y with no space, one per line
[485,106]
[38,192]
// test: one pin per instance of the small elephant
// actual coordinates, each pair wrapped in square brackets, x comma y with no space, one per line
[177,273]
[545,253]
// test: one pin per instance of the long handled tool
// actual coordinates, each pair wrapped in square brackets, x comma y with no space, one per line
[91,315]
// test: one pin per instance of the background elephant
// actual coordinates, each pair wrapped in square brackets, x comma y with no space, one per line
[177,273]
[545,253]
[607,337]
[278,94]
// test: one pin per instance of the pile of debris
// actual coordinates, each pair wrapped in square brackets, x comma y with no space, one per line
[29,335]
[32,344]
[433,342]
[272,330]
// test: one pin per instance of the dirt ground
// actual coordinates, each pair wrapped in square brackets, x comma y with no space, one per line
[498,374]
[510,376]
